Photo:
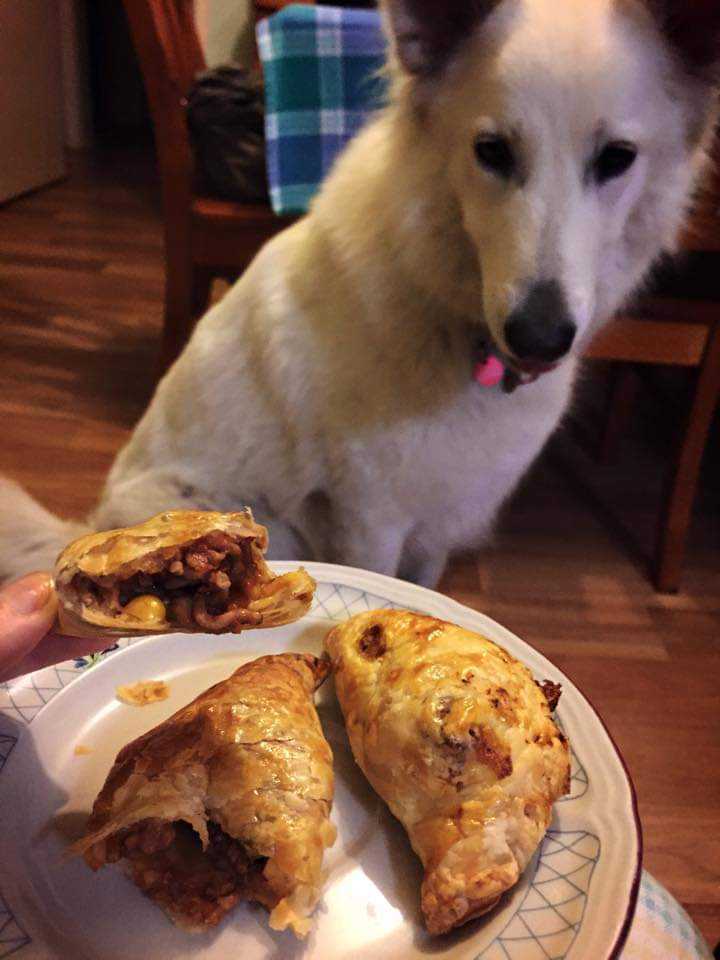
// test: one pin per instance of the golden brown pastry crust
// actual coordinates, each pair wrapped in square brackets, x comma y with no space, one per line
[248,755]
[116,555]
[457,738]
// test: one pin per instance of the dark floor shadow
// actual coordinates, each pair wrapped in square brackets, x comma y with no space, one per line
[564,463]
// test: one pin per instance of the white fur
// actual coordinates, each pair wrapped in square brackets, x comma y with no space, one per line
[30,536]
[331,388]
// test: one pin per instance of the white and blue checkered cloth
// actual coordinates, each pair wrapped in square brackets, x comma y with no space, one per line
[661,929]
[321,67]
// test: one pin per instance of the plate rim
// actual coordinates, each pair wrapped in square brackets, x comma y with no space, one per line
[374,582]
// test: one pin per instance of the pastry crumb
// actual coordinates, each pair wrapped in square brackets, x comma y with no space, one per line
[143,692]
[81,750]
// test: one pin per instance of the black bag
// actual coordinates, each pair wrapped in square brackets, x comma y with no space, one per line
[226,117]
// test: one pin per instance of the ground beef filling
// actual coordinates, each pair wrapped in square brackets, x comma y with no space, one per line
[206,584]
[552,691]
[168,864]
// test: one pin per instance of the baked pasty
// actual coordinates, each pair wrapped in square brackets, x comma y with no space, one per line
[181,570]
[228,800]
[458,740]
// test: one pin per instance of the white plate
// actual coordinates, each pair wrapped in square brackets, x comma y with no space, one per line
[575,901]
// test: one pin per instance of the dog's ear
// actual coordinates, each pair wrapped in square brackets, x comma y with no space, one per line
[692,27]
[427,32]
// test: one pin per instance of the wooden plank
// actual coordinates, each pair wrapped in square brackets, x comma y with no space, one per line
[649,341]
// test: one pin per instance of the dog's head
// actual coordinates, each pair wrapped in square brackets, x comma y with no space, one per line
[571,132]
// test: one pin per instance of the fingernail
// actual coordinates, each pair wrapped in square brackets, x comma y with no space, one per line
[29,594]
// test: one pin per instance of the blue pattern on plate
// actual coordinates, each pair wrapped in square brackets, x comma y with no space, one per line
[12,935]
[551,913]
[83,663]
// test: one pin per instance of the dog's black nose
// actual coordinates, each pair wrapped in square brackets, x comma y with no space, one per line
[541,327]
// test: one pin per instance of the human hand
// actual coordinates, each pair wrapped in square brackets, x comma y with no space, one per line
[28,608]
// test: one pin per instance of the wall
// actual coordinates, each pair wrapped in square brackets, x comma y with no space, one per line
[75,73]
[31,107]
[226,28]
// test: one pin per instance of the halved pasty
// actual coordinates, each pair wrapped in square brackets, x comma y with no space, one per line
[228,800]
[181,570]
[458,740]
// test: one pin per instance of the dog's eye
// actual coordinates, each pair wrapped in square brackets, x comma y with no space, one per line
[614,160]
[496,155]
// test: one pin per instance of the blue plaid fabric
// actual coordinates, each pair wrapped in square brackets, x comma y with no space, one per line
[321,69]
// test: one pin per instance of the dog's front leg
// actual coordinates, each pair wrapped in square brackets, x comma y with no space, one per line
[424,556]
[422,567]
[368,540]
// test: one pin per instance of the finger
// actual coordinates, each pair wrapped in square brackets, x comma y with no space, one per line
[55,648]
[27,612]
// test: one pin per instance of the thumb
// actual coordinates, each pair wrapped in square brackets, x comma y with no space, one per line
[27,611]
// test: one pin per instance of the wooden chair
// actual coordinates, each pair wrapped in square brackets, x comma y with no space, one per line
[679,330]
[263,8]
[204,237]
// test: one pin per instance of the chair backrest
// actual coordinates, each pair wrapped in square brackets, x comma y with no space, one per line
[170,54]
[265,8]
[702,232]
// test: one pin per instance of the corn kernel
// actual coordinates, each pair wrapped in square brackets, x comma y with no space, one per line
[146,608]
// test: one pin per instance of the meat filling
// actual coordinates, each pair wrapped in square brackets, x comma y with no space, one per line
[552,691]
[207,584]
[168,864]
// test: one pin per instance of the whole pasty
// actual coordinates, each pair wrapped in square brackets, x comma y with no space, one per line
[181,570]
[228,800]
[457,738]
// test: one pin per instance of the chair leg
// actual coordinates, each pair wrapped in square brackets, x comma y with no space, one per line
[187,291]
[178,318]
[677,510]
[202,284]
[622,394]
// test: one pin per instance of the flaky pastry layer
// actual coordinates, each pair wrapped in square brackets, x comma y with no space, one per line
[228,799]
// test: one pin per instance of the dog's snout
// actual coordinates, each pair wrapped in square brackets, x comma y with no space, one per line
[540,328]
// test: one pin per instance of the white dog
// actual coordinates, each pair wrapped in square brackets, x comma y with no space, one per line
[535,158]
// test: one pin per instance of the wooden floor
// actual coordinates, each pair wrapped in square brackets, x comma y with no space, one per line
[80,306]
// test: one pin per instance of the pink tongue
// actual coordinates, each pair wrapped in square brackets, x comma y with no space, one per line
[489,372]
